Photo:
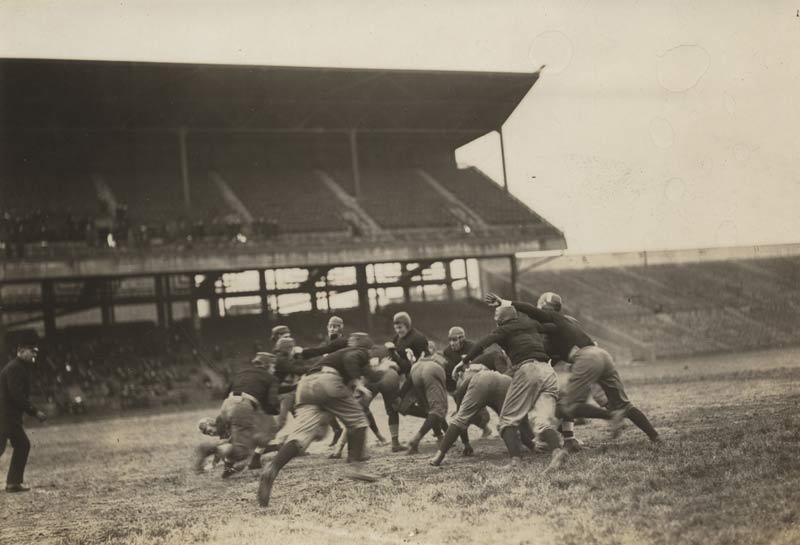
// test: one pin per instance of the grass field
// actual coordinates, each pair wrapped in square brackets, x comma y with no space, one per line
[728,473]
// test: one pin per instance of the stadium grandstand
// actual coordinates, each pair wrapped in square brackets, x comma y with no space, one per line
[190,207]
[158,219]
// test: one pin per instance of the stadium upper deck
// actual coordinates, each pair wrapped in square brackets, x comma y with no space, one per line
[114,159]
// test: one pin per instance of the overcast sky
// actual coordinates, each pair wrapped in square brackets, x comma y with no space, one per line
[654,125]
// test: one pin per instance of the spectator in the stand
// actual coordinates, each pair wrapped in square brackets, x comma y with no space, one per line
[198,229]
[121,225]
[90,232]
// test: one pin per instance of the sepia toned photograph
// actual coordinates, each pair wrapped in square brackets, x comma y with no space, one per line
[416,273]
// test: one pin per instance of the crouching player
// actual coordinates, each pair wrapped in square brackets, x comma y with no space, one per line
[483,388]
[323,391]
[246,416]
[428,379]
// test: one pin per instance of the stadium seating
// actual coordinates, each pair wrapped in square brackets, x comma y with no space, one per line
[688,308]
[297,199]
[153,198]
[398,198]
[39,205]
[484,196]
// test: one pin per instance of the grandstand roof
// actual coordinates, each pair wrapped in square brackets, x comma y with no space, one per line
[102,95]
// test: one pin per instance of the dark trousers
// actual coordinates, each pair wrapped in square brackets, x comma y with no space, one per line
[22,446]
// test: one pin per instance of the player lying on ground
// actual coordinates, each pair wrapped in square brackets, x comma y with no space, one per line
[590,364]
[534,383]
[246,416]
[323,392]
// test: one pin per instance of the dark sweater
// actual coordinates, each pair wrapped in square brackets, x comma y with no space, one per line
[414,341]
[350,362]
[15,392]
[520,338]
[566,334]
[259,383]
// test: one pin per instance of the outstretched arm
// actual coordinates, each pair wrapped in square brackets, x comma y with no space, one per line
[543,316]
[333,346]
[482,345]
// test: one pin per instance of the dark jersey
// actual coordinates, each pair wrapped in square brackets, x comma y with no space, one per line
[414,342]
[15,392]
[520,338]
[351,363]
[453,358]
[567,332]
[493,359]
[259,383]
[288,368]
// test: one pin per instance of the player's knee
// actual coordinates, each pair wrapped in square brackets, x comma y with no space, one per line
[504,423]
[617,405]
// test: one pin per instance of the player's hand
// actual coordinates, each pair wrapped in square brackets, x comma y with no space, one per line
[41,416]
[297,350]
[492,299]
[389,345]
[456,370]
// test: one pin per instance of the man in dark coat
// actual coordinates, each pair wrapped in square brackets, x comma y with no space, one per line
[15,391]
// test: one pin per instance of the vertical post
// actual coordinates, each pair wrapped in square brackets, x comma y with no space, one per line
[448,278]
[48,309]
[503,158]
[187,200]
[513,261]
[362,287]
[213,297]
[167,299]
[466,278]
[327,294]
[193,314]
[159,285]
[406,284]
[263,295]
[106,302]
[354,160]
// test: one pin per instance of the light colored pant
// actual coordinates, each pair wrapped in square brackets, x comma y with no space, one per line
[249,427]
[319,397]
[593,365]
[429,382]
[287,405]
[486,389]
[534,387]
